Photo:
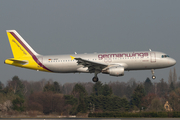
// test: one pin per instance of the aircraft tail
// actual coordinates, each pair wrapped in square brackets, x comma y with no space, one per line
[19,46]
[24,55]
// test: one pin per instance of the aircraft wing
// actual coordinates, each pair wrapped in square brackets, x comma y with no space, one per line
[92,66]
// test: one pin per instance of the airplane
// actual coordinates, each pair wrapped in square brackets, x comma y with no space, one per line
[113,64]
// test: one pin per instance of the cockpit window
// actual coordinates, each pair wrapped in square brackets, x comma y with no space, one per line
[165,56]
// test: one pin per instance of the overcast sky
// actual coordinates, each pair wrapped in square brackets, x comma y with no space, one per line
[87,26]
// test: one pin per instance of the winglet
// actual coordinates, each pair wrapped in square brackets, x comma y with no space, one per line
[72,58]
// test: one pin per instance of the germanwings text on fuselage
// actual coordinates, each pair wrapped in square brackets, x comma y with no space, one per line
[101,56]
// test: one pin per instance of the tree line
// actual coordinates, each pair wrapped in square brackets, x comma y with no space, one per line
[51,97]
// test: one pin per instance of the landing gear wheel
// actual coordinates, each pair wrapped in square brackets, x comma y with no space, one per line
[153,77]
[95,79]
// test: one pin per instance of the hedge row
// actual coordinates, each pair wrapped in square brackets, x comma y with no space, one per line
[138,114]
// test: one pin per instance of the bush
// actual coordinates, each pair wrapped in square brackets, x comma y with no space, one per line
[138,114]
[18,104]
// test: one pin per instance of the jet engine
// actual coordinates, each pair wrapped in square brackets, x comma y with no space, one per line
[114,71]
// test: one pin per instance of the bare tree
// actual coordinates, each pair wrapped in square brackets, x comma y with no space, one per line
[88,86]
[156,105]
[170,77]
[48,102]
[118,88]
[67,88]
[43,82]
[1,85]
[162,88]
[174,77]
[16,85]
[25,83]
[12,85]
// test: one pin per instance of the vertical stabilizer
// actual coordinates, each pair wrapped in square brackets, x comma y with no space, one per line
[19,46]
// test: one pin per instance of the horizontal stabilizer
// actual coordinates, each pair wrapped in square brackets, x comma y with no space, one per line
[15,60]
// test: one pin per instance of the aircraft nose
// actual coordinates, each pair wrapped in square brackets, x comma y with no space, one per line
[172,62]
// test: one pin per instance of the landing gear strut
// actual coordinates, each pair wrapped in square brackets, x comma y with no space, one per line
[95,78]
[153,76]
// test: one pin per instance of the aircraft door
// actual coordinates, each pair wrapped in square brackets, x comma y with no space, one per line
[153,57]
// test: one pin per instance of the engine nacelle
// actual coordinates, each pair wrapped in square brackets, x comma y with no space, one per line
[115,71]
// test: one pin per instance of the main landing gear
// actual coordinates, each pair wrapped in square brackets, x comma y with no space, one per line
[95,78]
[153,76]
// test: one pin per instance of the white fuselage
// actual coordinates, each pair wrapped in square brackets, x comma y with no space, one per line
[141,60]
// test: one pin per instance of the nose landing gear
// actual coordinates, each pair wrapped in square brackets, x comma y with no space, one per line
[153,76]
